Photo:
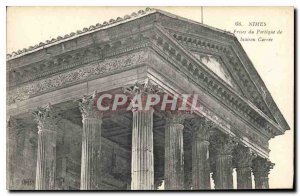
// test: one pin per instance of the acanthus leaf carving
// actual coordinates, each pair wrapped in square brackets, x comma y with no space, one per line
[142,88]
[77,75]
[223,145]
[88,107]
[243,157]
[261,167]
[201,127]
[45,118]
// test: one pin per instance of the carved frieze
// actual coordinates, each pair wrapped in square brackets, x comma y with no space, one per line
[234,63]
[91,71]
[232,125]
[201,76]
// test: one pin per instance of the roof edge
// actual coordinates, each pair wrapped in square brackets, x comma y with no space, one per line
[104,25]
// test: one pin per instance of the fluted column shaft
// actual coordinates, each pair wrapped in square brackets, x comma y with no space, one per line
[200,167]
[91,148]
[244,180]
[243,157]
[261,182]
[200,154]
[224,179]
[142,166]
[261,168]
[46,160]
[46,152]
[223,162]
[91,143]
[142,157]
[174,168]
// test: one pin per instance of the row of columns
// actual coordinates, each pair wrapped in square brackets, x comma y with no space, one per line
[225,149]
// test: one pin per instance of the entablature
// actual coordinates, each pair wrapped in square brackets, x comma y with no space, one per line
[208,80]
[158,32]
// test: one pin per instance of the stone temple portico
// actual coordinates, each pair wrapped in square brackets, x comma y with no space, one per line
[58,140]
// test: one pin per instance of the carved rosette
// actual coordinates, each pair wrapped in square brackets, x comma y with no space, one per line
[261,168]
[88,107]
[45,118]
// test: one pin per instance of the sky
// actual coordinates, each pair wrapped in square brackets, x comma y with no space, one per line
[274,60]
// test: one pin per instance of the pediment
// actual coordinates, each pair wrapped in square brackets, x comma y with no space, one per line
[216,65]
[216,50]
[226,58]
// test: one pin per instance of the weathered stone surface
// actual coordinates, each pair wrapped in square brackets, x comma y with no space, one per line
[261,168]
[46,157]
[243,157]
[174,158]
[200,153]
[142,162]
[222,173]
[156,46]
[91,143]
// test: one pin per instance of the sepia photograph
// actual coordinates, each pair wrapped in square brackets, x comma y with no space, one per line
[150,98]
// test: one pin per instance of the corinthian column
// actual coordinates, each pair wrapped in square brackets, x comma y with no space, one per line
[200,153]
[223,147]
[46,157]
[142,166]
[91,143]
[261,168]
[174,176]
[243,160]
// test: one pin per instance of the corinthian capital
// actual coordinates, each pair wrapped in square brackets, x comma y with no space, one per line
[44,116]
[176,117]
[262,166]
[223,145]
[142,88]
[243,156]
[88,107]
[201,127]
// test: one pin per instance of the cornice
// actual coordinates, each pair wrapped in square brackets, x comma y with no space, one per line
[256,91]
[244,79]
[209,80]
[107,25]
[88,72]
[80,57]
[78,33]
[255,135]
[188,63]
